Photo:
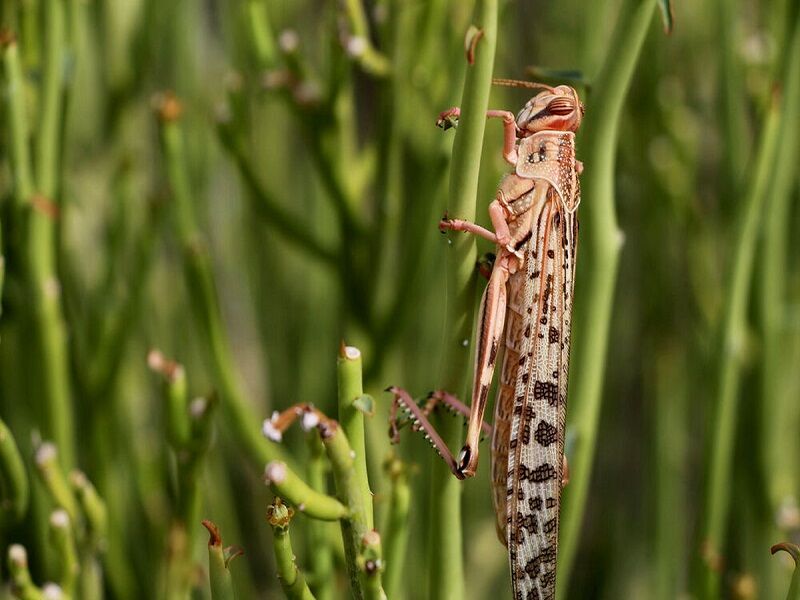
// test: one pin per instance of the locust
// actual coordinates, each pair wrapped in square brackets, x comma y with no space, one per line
[524,323]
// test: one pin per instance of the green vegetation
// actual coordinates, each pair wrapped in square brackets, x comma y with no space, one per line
[199,202]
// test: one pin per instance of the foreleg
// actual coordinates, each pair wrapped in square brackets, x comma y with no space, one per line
[449,117]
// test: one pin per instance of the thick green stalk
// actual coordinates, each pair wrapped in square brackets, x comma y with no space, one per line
[397,526]
[670,441]
[48,133]
[779,418]
[49,334]
[62,538]
[359,45]
[13,479]
[17,121]
[176,398]
[263,39]
[291,578]
[349,492]
[320,553]
[351,419]
[200,281]
[189,426]
[599,256]
[54,479]
[445,552]
[219,576]
[95,535]
[49,327]
[370,563]
[733,337]
[23,585]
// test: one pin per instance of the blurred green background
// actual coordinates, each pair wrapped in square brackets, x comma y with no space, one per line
[243,184]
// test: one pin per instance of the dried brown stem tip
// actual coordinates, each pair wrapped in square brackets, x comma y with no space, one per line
[45,206]
[7,37]
[167,106]
[161,364]
[792,549]
[214,539]
[471,42]
[274,427]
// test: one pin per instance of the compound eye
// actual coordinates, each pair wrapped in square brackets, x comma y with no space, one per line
[561,107]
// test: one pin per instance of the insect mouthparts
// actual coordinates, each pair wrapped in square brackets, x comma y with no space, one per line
[463,458]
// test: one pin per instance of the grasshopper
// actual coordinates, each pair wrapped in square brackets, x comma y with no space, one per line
[525,320]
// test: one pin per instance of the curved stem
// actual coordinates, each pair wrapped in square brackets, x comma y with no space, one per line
[445,553]
[285,483]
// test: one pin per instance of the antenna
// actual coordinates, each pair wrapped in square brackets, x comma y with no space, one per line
[521,84]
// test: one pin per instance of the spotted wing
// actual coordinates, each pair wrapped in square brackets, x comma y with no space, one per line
[536,437]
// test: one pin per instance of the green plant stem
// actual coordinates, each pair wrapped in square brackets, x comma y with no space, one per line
[261,32]
[62,538]
[17,121]
[95,536]
[349,492]
[55,482]
[351,419]
[371,566]
[286,484]
[320,555]
[372,61]
[778,414]
[48,133]
[49,327]
[13,479]
[670,438]
[397,526]
[200,281]
[600,257]
[733,337]
[446,579]
[189,426]
[24,587]
[49,334]
[219,575]
[290,576]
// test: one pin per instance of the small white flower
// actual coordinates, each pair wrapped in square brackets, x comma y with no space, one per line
[310,420]
[275,472]
[288,40]
[197,407]
[269,430]
[59,518]
[17,554]
[46,453]
[51,591]
[356,46]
